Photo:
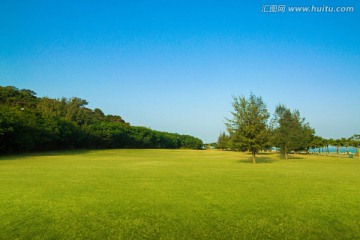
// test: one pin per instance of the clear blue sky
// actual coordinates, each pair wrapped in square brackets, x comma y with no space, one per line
[174,66]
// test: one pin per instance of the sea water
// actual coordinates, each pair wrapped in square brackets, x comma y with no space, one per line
[332,149]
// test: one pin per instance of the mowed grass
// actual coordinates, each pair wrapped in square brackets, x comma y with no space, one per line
[178,194]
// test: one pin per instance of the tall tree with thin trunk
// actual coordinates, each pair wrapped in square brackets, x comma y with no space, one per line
[356,142]
[317,142]
[331,142]
[290,132]
[337,143]
[346,144]
[248,128]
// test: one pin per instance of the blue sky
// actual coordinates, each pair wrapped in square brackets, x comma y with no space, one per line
[175,65]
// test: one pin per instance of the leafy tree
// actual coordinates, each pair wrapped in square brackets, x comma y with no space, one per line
[11,96]
[114,118]
[223,141]
[290,132]
[346,144]
[323,145]
[307,136]
[192,142]
[338,144]
[98,114]
[318,142]
[248,130]
[355,140]
[342,142]
[330,142]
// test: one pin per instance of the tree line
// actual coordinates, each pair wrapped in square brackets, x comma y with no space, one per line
[251,129]
[30,123]
[322,144]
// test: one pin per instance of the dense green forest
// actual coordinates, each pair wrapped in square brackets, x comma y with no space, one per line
[30,123]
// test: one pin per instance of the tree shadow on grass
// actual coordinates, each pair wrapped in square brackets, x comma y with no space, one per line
[259,160]
[262,158]
[23,156]
[291,157]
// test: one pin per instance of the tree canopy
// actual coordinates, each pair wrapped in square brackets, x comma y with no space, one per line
[248,129]
[290,132]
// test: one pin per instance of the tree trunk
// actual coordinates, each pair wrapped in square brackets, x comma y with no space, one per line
[253,158]
[285,152]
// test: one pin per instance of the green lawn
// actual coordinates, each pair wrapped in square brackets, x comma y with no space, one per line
[178,194]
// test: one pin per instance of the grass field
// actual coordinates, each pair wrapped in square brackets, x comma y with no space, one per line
[178,194]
